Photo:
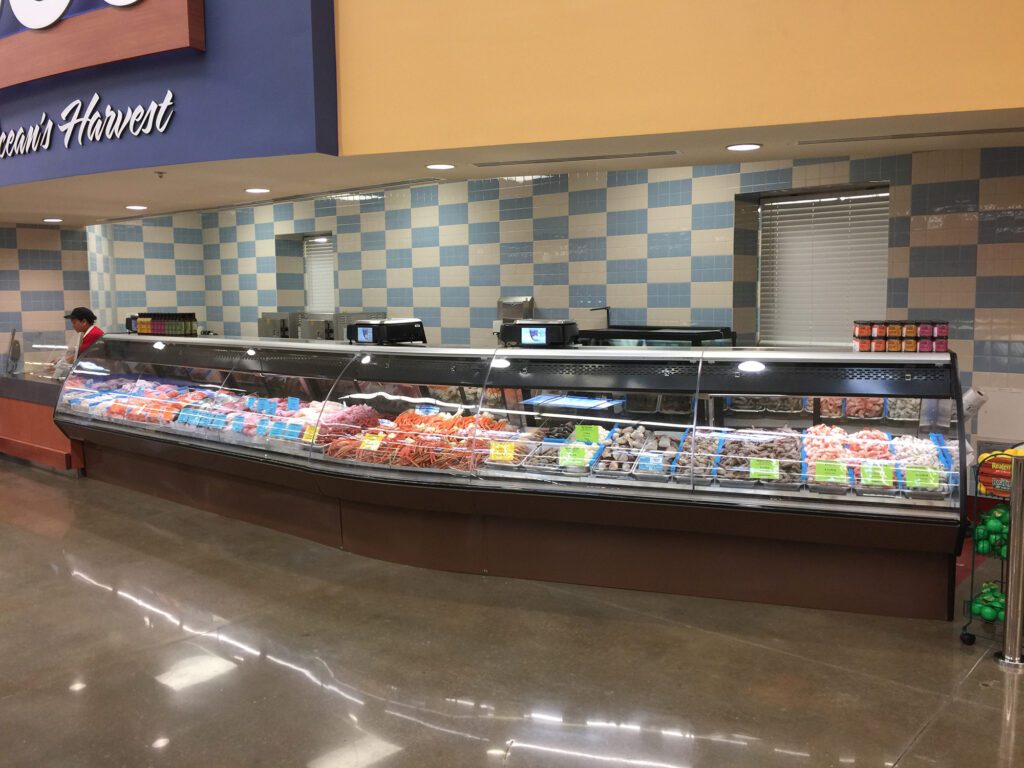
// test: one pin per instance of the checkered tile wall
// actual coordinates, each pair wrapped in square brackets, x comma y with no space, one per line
[43,273]
[663,245]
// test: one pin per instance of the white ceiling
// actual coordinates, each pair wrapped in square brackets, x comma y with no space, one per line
[85,200]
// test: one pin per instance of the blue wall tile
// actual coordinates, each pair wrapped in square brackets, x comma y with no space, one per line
[627,222]
[400,218]
[454,255]
[375,278]
[425,237]
[453,213]
[588,201]
[516,253]
[399,258]
[9,280]
[556,273]
[484,232]
[372,241]
[1005,292]
[899,231]
[431,316]
[712,215]
[247,250]
[158,251]
[628,316]
[625,178]
[305,226]
[266,265]
[714,317]
[1002,161]
[701,171]
[662,245]
[483,189]
[229,298]
[210,220]
[188,267]
[249,314]
[765,181]
[10,321]
[161,282]
[549,185]
[819,160]
[284,212]
[482,317]
[515,208]
[399,297]
[39,259]
[1001,227]
[128,233]
[421,197]
[266,298]
[265,231]
[351,297]
[158,221]
[211,252]
[588,249]
[245,216]
[247,282]
[129,266]
[324,206]
[215,314]
[588,295]
[485,274]
[897,292]
[372,203]
[664,193]
[709,269]
[455,336]
[744,294]
[72,240]
[131,298]
[895,169]
[291,281]
[38,301]
[426,277]
[455,296]
[551,228]
[288,246]
[212,282]
[188,235]
[229,266]
[943,261]
[8,239]
[349,224]
[944,197]
[232,329]
[670,295]
[352,260]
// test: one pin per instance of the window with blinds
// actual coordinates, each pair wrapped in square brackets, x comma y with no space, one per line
[321,269]
[824,263]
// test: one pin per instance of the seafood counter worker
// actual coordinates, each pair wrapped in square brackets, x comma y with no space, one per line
[83,320]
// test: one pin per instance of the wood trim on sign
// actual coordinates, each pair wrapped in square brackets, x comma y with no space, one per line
[102,37]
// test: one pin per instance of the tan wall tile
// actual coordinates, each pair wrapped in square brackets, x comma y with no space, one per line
[744,268]
[426,297]
[716,189]
[454,316]
[899,262]
[44,320]
[670,174]
[627,247]
[509,189]
[946,165]
[453,192]
[744,320]
[631,296]
[1002,194]
[399,278]
[371,222]
[588,272]
[998,324]
[425,216]
[671,218]
[481,337]
[550,251]
[450,234]
[954,292]
[557,204]
[375,297]
[1001,259]
[483,210]
[899,200]
[516,230]
[675,269]
[588,180]
[821,174]
[485,253]
[712,242]
[627,198]
[8,258]
[44,239]
[400,198]
[454,276]
[716,294]
[588,225]
[550,296]
[517,274]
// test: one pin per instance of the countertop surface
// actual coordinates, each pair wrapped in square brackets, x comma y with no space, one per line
[30,389]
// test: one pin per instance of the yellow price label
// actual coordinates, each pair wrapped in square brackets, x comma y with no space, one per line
[371,442]
[311,434]
[503,451]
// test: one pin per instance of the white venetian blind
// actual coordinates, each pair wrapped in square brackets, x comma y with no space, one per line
[824,264]
[320,267]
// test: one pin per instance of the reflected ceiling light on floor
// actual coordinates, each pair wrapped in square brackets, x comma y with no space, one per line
[360,754]
[440,167]
[751,366]
[743,147]
[250,352]
[195,670]
[77,686]
[53,221]
[501,362]
[159,345]
[162,742]
[257,190]
[137,207]
[365,359]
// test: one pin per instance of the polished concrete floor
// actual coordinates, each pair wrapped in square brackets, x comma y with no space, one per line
[135,632]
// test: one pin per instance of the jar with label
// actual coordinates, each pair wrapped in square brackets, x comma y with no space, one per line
[925,345]
[878,330]
[940,345]
[894,330]
[910,344]
[909,330]
[861,345]
[925,329]
[862,329]
[893,345]
[878,345]
[940,329]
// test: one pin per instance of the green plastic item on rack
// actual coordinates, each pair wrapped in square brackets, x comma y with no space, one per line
[982,547]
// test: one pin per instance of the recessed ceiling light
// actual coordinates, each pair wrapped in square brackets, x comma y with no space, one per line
[257,190]
[53,221]
[319,239]
[440,167]
[137,207]
[743,147]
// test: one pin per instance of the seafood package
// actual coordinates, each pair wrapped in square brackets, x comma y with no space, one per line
[748,456]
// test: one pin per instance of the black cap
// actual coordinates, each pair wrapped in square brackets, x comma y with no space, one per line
[81,313]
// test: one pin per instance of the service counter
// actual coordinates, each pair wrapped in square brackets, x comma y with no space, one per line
[27,430]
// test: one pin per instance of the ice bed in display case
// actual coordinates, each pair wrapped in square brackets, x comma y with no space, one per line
[836,450]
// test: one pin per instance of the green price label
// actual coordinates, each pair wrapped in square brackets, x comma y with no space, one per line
[764,469]
[572,456]
[830,472]
[926,478]
[876,473]
[588,433]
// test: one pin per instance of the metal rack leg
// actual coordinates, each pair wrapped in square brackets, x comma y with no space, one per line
[1010,658]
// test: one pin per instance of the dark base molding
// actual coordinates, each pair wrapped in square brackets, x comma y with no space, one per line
[816,561]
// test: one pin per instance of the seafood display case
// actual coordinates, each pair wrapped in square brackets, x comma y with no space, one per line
[780,442]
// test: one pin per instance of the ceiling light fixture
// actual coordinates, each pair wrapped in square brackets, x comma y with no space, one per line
[137,207]
[257,190]
[53,221]
[320,239]
[440,167]
[743,147]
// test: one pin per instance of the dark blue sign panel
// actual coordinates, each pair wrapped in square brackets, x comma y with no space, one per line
[265,86]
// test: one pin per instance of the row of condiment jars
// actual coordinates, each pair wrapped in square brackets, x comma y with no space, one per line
[900,329]
[903,344]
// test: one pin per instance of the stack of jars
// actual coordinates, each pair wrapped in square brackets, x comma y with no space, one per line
[901,335]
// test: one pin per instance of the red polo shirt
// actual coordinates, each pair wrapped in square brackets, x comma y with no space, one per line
[91,335]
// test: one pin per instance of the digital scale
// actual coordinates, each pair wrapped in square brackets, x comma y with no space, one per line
[399,330]
[539,333]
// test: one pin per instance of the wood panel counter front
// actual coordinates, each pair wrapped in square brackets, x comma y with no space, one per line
[27,430]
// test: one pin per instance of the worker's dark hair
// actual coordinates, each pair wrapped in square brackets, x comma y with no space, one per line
[82,313]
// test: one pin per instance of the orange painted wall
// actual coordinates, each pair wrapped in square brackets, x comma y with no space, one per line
[425,74]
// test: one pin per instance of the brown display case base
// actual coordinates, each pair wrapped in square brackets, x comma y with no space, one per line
[884,567]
